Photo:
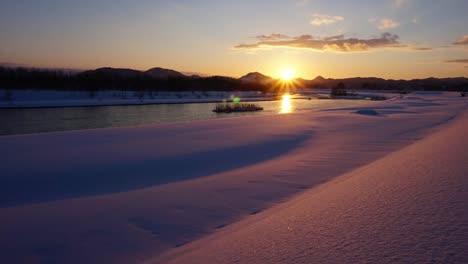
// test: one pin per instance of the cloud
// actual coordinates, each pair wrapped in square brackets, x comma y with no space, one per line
[336,37]
[461,41]
[332,43]
[457,61]
[272,36]
[422,48]
[319,19]
[384,23]
[388,23]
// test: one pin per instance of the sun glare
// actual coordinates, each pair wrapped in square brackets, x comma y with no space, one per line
[286,104]
[287,74]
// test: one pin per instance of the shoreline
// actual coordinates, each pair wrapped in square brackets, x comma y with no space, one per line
[100,104]
[24,103]
[30,120]
[26,106]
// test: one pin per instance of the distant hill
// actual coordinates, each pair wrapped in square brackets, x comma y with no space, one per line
[373,83]
[370,83]
[156,73]
[161,73]
[256,77]
[319,79]
[170,80]
[112,72]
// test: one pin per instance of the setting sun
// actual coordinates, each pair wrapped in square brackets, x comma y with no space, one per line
[287,74]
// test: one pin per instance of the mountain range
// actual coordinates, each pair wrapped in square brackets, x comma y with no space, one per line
[318,82]
[156,73]
[166,79]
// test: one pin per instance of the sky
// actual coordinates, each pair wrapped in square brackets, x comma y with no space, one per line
[397,39]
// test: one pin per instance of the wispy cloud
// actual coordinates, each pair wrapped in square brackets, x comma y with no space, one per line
[463,62]
[320,19]
[457,61]
[422,48]
[335,37]
[272,36]
[384,23]
[336,43]
[461,41]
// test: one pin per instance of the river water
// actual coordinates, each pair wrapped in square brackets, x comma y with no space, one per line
[38,120]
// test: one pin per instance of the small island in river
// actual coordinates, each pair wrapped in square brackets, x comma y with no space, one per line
[236,107]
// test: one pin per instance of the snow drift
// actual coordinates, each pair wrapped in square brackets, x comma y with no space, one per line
[156,193]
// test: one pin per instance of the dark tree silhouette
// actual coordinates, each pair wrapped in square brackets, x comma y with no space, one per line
[339,90]
[132,80]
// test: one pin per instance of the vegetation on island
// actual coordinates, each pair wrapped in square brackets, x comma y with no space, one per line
[236,107]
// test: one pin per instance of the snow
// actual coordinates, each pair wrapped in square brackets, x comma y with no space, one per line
[316,186]
[370,112]
[409,207]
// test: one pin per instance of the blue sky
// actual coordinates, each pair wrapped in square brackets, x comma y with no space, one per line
[210,36]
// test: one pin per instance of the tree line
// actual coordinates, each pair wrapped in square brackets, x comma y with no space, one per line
[24,78]
[131,80]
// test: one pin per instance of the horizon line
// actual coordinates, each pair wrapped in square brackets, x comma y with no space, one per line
[204,75]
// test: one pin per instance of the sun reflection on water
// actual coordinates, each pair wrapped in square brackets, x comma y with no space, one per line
[286,104]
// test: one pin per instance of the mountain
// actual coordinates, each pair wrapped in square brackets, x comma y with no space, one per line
[157,79]
[319,79]
[108,72]
[154,73]
[161,73]
[256,77]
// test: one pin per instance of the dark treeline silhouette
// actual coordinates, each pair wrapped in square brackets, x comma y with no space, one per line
[158,79]
[116,79]
[347,85]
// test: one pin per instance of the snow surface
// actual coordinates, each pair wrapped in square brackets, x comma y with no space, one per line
[296,188]
[409,207]
[370,112]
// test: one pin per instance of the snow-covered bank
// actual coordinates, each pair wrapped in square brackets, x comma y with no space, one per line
[409,207]
[130,194]
[54,98]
